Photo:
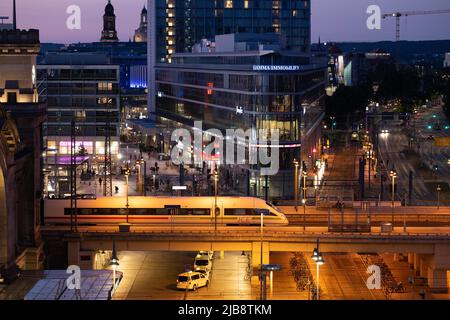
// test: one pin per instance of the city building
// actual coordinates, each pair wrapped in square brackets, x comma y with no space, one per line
[176,25]
[140,35]
[447,60]
[245,81]
[355,70]
[21,147]
[109,33]
[80,87]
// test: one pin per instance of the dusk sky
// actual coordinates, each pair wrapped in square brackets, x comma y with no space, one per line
[333,20]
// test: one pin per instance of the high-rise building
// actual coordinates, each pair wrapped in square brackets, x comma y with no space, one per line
[247,81]
[80,87]
[182,23]
[176,25]
[239,64]
[109,33]
[140,35]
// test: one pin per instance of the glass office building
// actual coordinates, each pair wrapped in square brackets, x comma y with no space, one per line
[176,25]
[244,81]
[258,75]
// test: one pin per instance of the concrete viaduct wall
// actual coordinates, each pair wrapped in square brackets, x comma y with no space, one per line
[430,258]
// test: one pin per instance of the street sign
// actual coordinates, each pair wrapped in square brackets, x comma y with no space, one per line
[271,267]
[442,142]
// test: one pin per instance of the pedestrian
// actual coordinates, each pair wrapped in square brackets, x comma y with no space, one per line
[422,294]
[100,181]
[117,189]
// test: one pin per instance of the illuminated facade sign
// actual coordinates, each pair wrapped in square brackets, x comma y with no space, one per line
[276,68]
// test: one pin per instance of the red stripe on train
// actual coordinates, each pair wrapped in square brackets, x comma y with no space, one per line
[116,217]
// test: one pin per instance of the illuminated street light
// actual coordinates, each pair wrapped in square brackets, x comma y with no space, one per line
[296,183]
[438,189]
[139,177]
[393,175]
[216,179]
[318,259]
[127,174]
[114,263]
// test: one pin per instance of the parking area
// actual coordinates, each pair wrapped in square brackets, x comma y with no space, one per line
[153,276]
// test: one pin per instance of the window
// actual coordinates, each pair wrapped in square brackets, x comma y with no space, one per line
[139,211]
[104,86]
[246,4]
[12,97]
[202,262]
[80,115]
[229,4]
[104,100]
[247,212]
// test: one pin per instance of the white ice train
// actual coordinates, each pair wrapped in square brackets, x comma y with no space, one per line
[165,210]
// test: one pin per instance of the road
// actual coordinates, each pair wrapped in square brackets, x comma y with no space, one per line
[152,276]
[393,144]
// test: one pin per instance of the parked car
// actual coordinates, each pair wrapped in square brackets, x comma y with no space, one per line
[191,281]
[210,254]
[202,262]
[205,272]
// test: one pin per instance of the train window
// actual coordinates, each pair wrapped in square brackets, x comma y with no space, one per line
[94,211]
[162,212]
[105,211]
[274,207]
[84,212]
[235,212]
[247,212]
[191,211]
[140,212]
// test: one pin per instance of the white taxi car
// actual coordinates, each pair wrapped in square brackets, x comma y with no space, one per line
[191,281]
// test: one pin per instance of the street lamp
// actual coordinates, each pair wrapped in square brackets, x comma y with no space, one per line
[296,183]
[393,175]
[127,174]
[145,175]
[216,179]
[438,189]
[318,259]
[305,174]
[114,263]
[261,272]
[304,213]
[139,177]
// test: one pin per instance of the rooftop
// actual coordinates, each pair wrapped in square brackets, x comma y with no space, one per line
[8,36]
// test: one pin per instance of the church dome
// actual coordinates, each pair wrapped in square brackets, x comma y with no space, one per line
[109,9]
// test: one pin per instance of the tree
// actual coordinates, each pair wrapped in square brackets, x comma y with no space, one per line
[82,151]
[348,103]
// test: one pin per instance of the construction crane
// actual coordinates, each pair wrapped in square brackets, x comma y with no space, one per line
[398,15]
